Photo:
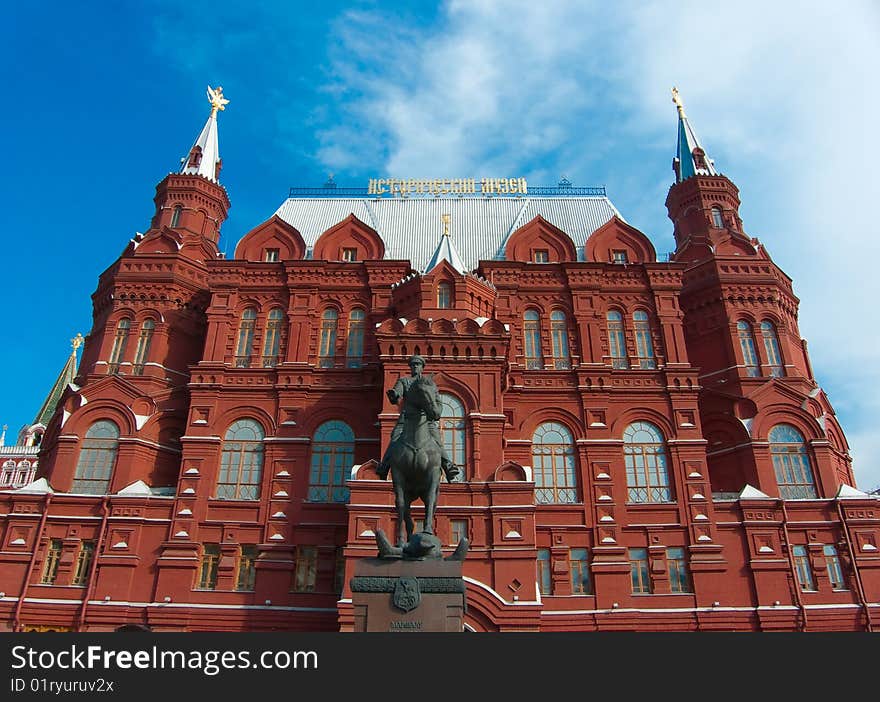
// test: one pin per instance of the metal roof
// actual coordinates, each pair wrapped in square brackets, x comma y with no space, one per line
[479,226]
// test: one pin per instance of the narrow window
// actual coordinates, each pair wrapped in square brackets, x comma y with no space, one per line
[96,459]
[50,567]
[452,431]
[272,340]
[802,568]
[619,257]
[120,341]
[717,220]
[541,256]
[747,346]
[790,462]
[545,582]
[7,476]
[832,566]
[143,346]
[458,530]
[247,568]
[679,577]
[241,461]
[305,573]
[354,352]
[195,157]
[553,464]
[638,569]
[644,347]
[332,459]
[244,348]
[616,340]
[175,216]
[208,567]
[444,296]
[532,338]
[771,348]
[350,255]
[327,350]
[580,572]
[559,338]
[83,564]
[644,454]
[272,255]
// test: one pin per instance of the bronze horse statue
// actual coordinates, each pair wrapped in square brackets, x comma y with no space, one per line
[415,457]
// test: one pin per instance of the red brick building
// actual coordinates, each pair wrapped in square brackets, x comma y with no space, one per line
[644,444]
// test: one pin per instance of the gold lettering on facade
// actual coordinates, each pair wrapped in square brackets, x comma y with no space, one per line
[406,187]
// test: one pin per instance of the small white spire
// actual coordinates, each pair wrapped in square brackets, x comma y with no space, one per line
[204,156]
[690,157]
[446,251]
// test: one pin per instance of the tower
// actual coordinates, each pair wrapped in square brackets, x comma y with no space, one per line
[766,420]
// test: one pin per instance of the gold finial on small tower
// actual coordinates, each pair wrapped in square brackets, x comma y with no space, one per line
[676,98]
[77,341]
[445,218]
[215,97]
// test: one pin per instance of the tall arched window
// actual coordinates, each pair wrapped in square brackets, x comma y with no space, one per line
[444,296]
[532,338]
[7,473]
[327,350]
[771,349]
[332,459]
[143,347]
[120,341]
[245,345]
[354,351]
[452,425]
[747,346]
[96,459]
[175,216]
[559,337]
[616,340]
[644,453]
[241,461]
[644,347]
[272,340]
[717,220]
[553,464]
[791,464]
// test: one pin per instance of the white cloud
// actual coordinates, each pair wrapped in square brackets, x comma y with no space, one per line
[783,96]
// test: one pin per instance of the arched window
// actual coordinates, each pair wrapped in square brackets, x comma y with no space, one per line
[559,337]
[717,220]
[616,340]
[354,352]
[241,461]
[332,459]
[143,346]
[272,340]
[644,347]
[532,338]
[327,350]
[444,296]
[120,341]
[24,475]
[747,346]
[175,216]
[553,464]
[245,345]
[791,464]
[771,349]
[96,459]
[644,453]
[452,425]
[7,474]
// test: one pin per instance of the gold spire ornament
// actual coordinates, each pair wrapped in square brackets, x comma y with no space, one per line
[77,341]
[445,219]
[676,98]
[215,97]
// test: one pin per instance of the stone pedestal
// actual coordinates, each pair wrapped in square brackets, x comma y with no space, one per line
[395,594]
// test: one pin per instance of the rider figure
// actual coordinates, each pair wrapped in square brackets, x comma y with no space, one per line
[396,394]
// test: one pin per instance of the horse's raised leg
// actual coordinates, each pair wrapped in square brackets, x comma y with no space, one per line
[404,519]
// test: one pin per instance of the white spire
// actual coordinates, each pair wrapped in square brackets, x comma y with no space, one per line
[446,251]
[204,156]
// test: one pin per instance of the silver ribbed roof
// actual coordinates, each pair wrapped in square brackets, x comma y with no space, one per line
[480,226]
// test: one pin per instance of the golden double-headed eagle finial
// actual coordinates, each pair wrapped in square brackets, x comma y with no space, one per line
[215,97]
[445,218]
[676,98]
[77,341]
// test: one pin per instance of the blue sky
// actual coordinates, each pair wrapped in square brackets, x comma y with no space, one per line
[101,100]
